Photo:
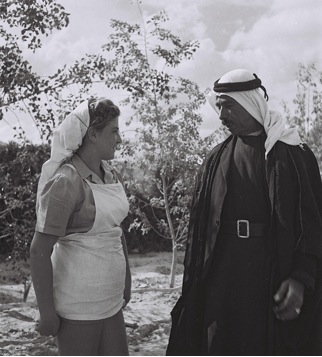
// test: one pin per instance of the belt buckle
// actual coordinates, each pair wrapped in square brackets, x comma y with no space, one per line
[239,223]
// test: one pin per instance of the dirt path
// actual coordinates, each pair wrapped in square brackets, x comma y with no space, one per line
[148,313]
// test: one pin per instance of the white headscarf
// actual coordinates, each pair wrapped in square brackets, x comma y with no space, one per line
[253,101]
[67,138]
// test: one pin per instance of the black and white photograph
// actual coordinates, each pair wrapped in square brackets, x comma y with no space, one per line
[160,178]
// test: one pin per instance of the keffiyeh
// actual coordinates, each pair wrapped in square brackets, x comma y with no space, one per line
[253,101]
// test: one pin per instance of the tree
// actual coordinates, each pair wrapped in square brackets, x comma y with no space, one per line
[167,147]
[307,116]
[140,61]
[43,99]
[24,23]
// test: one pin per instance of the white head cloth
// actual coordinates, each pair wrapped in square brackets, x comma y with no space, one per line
[253,101]
[67,138]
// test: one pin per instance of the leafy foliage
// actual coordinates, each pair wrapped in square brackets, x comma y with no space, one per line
[24,22]
[33,18]
[164,140]
[44,99]
[161,162]
[167,147]
[166,106]
[20,167]
[19,172]
[307,116]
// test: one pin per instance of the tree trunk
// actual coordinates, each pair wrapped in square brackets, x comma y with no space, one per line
[173,264]
[172,232]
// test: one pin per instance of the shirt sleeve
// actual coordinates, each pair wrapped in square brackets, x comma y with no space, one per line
[57,204]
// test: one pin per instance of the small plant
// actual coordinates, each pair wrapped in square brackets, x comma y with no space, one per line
[16,271]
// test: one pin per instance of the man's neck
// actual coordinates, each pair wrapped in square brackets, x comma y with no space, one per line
[255,133]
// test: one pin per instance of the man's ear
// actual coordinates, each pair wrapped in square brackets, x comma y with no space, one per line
[91,134]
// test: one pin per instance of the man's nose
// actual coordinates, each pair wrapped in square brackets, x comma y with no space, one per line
[221,114]
[119,139]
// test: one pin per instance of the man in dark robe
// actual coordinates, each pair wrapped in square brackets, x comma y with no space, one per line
[252,281]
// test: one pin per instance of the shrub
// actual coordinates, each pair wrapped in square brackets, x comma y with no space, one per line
[20,167]
[19,172]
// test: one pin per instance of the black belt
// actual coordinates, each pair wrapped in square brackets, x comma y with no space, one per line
[244,229]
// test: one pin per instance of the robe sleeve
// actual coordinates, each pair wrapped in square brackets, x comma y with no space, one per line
[308,252]
[304,270]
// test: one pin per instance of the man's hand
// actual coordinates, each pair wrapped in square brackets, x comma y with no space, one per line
[48,325]
[289,300]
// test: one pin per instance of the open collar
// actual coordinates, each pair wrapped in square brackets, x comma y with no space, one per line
[86,173]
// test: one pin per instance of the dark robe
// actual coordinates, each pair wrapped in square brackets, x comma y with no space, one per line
[238,283]
[289,197]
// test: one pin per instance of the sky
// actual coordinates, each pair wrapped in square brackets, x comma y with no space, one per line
[269,38]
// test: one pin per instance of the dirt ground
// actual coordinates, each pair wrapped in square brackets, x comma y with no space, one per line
[147,315]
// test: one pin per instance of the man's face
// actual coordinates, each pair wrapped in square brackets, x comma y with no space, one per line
[235,117]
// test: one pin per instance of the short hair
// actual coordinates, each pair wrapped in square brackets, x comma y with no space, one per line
[101,112]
